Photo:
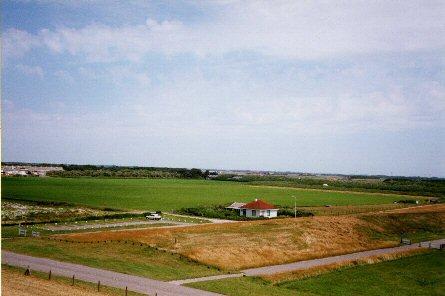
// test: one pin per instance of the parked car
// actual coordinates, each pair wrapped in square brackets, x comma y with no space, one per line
[153,217]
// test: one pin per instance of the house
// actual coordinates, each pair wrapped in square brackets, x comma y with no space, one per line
[258,208]
[236,206]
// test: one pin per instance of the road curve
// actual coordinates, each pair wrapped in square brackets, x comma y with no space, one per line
[107,278]
[267,270]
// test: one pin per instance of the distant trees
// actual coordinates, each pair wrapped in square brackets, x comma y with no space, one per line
[128,172]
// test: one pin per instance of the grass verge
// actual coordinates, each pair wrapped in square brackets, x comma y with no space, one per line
[14,282]
[415,275]
[124,256]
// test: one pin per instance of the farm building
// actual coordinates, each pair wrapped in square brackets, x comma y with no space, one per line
[255,209]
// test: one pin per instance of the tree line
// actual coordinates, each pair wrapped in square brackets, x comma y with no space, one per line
[128,172]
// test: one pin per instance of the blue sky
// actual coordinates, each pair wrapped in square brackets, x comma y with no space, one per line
[353,87]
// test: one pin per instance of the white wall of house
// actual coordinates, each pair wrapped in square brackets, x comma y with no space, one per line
[259,213]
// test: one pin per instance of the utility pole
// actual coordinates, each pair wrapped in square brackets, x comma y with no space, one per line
[295,205]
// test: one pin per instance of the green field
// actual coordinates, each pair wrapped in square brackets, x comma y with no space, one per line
[417,275]
[170,194]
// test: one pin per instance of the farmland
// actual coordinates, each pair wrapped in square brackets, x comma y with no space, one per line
[171,194]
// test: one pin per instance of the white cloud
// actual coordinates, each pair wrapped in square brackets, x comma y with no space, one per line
[285,29]
[16,43]
[30,70]
[65,76]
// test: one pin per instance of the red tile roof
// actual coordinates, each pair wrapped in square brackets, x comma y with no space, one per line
[258,205]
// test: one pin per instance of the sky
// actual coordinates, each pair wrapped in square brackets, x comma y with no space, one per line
[350,87]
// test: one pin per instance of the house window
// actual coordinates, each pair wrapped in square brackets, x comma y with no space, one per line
[253,212]
[268,212]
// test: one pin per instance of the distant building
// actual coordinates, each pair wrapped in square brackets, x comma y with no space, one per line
[28,170]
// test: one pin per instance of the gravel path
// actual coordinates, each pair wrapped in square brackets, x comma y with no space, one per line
[107,278]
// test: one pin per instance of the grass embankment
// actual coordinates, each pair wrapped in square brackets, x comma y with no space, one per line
[37,284]
[252,244]
[417,275]
[167,195]
[127,257]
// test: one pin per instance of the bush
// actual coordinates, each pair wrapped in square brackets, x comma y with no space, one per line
[291,213]
[218,212]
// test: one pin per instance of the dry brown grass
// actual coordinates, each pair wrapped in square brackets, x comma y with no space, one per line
[318,270]
[437,208]
[259,243]
[17,284]
[350,210]
[252,244]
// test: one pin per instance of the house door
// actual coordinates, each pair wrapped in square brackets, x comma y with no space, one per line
[244,212]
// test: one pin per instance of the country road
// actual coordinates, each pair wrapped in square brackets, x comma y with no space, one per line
[267,270]
[174,288]
[107,278]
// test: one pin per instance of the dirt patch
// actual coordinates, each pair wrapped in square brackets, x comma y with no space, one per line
[17,284]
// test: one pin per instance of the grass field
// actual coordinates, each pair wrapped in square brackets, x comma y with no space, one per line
[167,195]
[126,257]
[417,275]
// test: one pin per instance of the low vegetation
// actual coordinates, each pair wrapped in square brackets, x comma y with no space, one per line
[37,284]
[278,278]
[416,275]
[122,256]
[267,242]
[220,212]
[397,185]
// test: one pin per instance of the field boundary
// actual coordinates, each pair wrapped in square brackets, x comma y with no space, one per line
[343,191]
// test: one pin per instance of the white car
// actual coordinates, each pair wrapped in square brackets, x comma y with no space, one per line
[153,217]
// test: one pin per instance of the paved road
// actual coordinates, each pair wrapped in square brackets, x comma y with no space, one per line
[107,278]
[144,285]
[267,270]
[328,260]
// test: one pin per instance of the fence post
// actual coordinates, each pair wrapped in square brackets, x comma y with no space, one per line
[98,286]
[27,271]
[126,290]
[73,281]
[49,275]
